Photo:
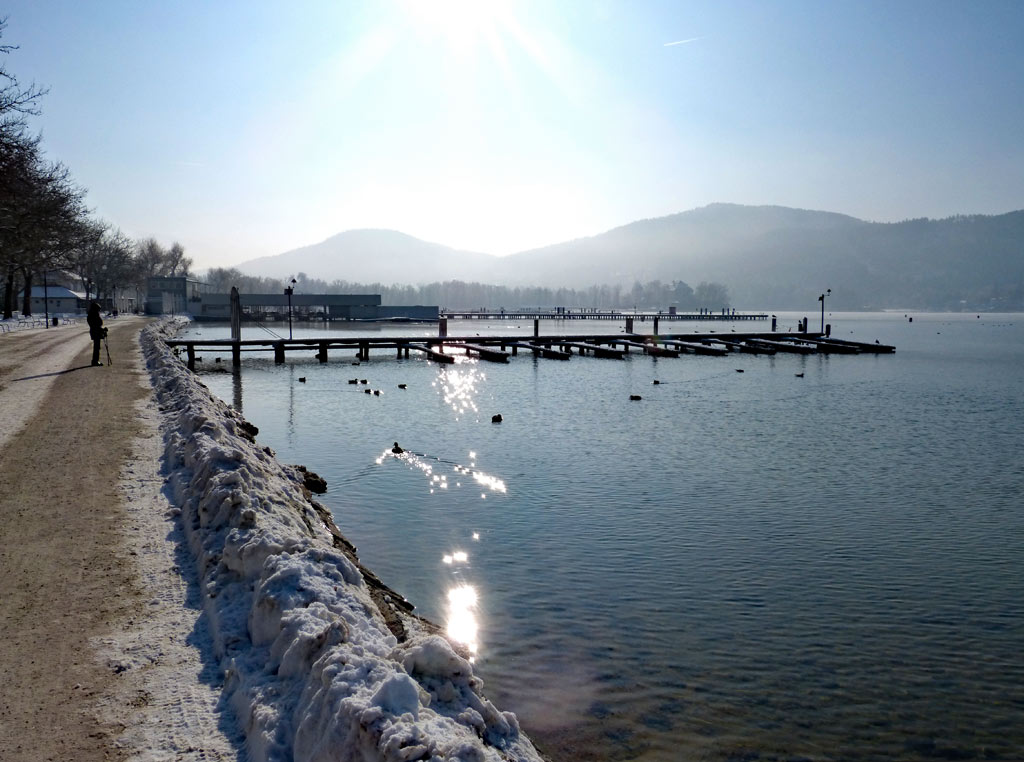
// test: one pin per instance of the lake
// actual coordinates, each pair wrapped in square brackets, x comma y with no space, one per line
[737,566]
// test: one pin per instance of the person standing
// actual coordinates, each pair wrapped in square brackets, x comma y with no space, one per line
[95,330]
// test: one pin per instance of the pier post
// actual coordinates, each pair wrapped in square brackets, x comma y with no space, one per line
[321,354]
[773,323]
[536,328]
[236,327]
[629,325]
[655,326]
[442,328]
[190,350]
[278,352]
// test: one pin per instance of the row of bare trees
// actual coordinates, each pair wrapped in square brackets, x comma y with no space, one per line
[457,294]
[45,225]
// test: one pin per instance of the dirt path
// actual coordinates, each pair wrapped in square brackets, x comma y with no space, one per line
[73,595]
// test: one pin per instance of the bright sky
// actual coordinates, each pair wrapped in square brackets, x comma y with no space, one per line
[243,128]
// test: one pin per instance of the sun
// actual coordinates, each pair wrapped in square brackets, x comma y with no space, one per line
[462,25]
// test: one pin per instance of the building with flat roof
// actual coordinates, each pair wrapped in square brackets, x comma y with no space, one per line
[170,295]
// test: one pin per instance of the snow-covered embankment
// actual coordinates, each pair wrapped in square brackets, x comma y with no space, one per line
[321,661]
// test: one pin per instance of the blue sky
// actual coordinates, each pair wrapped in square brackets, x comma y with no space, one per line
[243,129]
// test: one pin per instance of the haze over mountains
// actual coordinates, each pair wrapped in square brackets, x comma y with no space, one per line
[769,257]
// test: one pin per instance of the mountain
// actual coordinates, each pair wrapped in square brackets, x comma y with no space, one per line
[374,256]
[689,246]
[770,257]
[777,258]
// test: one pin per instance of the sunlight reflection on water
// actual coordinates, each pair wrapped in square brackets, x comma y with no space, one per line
[458,388]
[462,624]
[426,464]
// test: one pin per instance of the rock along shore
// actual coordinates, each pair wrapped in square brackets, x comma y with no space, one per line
[321,661]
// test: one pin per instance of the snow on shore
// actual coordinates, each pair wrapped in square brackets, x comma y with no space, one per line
[322,663]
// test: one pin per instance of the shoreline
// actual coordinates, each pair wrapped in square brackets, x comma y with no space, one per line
[173,593]
[321,659]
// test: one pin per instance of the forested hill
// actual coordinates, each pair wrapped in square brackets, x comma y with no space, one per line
[769,257]
[778,258]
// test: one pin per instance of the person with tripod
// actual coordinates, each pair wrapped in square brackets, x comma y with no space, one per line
[96,330]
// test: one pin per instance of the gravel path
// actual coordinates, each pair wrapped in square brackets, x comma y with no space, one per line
[105,655]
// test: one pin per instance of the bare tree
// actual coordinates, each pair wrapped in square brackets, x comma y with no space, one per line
[42,213]
[176,261]
[16,101]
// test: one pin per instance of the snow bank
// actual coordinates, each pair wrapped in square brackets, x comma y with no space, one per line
[321,661]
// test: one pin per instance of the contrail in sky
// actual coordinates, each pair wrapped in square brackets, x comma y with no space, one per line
[681,42]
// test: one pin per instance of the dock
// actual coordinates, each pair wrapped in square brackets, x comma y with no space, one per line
[699,347]
[484,353]
[591,314]
[546,351]
[495,348]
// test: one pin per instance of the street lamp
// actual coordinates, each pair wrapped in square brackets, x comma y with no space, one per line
[288,292]
[821,299]
[46,298]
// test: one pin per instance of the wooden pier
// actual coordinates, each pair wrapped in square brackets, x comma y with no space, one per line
[587,314]
[495,348]
[698,347]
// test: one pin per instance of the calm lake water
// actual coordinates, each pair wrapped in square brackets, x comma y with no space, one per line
[739,566]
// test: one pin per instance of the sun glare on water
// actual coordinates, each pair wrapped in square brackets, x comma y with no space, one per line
[462,623]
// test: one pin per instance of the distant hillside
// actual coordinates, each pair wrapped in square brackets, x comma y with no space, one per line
[768,256]
[368,256]
[778,258]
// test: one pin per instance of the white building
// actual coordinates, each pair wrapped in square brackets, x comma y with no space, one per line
[55,300]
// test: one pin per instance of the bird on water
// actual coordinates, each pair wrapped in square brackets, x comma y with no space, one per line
[397,450]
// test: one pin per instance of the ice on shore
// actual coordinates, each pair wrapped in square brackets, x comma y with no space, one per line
[318,665]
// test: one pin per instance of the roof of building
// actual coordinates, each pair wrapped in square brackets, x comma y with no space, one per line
[53,292]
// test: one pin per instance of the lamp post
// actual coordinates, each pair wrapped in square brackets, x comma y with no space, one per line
[821,299]
[288,292]
[46,299]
